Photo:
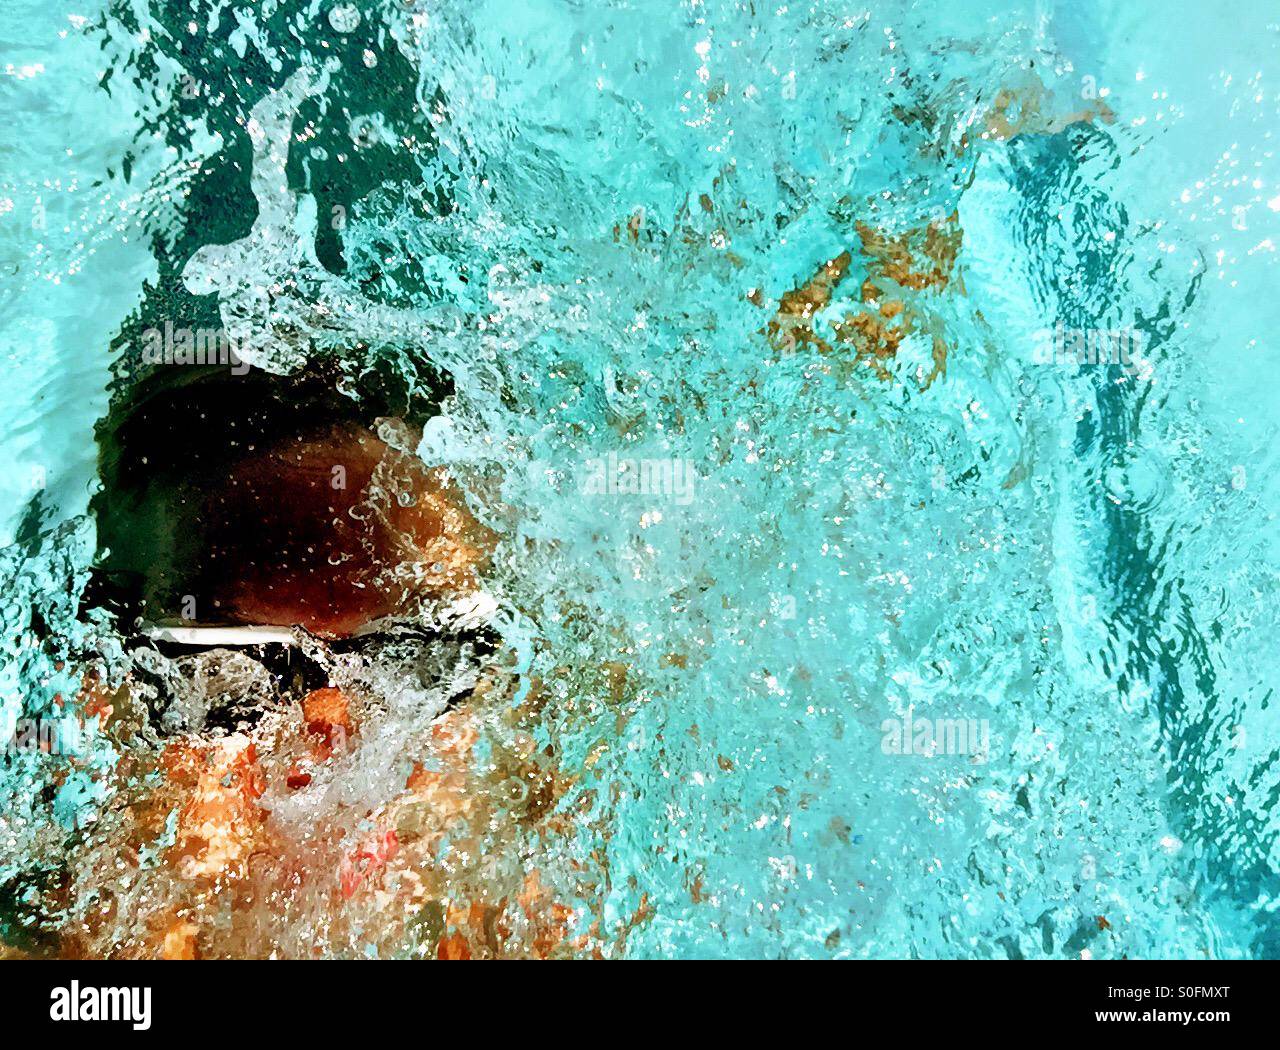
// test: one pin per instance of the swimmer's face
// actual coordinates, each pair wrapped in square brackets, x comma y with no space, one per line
[331,532]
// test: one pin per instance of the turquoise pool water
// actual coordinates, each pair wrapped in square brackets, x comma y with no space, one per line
[873,407]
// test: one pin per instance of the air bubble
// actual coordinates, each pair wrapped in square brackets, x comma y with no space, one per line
[344,17]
